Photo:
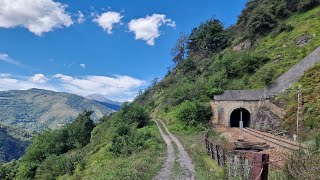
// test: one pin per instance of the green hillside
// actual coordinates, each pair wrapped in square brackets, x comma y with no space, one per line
[36,109]
[268,39]
[12,144]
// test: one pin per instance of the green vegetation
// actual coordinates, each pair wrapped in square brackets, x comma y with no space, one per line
[127,145]
[259,48]
[310,117]
[11,146]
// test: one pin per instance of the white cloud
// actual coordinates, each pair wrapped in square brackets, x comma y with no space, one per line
[6,58]
[108,19]
[22,83]
[63,77]
[81,18]
[83,66]
[38,16]
[147,28]
[119,87]
[39,78]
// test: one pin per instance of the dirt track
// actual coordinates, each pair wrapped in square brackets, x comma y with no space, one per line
[187,168]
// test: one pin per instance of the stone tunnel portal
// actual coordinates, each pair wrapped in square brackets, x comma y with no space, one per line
[235,117]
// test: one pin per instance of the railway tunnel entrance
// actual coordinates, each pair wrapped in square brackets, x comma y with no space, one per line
[236,116]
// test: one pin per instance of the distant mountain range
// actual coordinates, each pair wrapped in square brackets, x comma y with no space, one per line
[105,101]
[37,109]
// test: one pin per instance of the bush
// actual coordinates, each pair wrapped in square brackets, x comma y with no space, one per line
[282,28]
[260,22]
[238,64]
[214,91]
[192,113]
[135,114]
[305,5]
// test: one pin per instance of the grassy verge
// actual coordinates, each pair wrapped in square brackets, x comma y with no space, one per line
[194,144]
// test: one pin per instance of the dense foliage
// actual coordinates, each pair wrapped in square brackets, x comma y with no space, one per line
[192,113]
[67,151]
[11,147]
[207,38]
[46,147]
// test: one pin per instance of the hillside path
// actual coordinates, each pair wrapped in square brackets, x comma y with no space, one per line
[187,168]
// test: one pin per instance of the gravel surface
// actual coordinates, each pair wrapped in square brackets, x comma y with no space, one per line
[187,168]
[165,172]
[276,153]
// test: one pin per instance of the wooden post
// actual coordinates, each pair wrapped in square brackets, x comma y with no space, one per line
[208,147]
[260,166]
[230,173]
[224,157]
[218,155]
[215,153]
[212,150]
[246,169]
[265,164]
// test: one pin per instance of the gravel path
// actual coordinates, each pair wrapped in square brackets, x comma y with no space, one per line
[187,168]
[165,172]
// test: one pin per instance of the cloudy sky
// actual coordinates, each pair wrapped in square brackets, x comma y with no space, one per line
[108,47]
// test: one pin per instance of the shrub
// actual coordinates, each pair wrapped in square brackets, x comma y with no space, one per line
[282,28]
[238,64]
[135,114]
[214,91]
[192,113]
[260,22]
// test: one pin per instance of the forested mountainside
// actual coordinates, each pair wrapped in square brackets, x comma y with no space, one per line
[269,38]
[36,109]
[13,143]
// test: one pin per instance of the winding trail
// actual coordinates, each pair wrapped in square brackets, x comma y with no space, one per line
[187,168]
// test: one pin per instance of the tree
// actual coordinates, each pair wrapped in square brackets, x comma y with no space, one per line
[80,130]
[207,38]
[154,82]
[260,22]
[179,52]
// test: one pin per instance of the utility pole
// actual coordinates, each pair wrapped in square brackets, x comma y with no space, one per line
[299,109]
[241,125]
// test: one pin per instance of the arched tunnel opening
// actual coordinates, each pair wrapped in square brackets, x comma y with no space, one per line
[236,116]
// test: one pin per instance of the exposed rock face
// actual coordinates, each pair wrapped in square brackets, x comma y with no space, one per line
[303,40]
[265,120]
[245,45]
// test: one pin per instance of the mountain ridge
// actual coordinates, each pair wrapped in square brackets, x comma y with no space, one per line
[38,109]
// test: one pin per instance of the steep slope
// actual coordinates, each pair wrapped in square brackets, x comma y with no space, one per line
[11,147]
[36,109]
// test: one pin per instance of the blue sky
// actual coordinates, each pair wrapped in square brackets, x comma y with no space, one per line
[108,47]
